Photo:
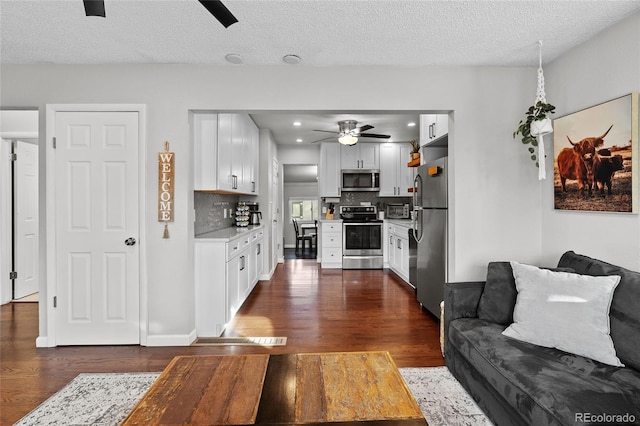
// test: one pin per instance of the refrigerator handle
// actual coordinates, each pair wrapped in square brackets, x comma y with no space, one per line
[417,189]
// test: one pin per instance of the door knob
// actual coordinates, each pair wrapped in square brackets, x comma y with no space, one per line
[130,241]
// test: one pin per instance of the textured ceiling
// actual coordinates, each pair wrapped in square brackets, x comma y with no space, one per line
[321,32]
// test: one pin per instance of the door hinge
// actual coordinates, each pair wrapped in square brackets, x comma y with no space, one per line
[13,275]
[13,156]
[54,143]
[55,301]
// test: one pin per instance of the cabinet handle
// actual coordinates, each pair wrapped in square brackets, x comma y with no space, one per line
[259,249]
[253,186]
[242,263]
[400,244]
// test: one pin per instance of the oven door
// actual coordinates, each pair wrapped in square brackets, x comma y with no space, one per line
[362,238]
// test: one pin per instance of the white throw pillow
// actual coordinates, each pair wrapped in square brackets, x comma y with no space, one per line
[564,310]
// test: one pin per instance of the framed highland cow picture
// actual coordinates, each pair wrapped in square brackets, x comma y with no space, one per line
[596,157]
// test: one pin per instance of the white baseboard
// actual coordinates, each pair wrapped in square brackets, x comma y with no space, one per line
[172,339]
[42,342]
[267,276]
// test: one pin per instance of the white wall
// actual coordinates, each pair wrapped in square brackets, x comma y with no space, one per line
[603,68]
[494,189]
[268,149]
[296,154]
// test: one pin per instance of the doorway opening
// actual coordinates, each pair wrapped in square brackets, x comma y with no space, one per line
[300,194]
[19,214]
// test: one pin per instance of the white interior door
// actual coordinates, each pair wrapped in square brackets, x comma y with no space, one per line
[96,212]
[26,219]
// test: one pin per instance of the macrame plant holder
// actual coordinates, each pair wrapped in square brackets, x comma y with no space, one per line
[539,128]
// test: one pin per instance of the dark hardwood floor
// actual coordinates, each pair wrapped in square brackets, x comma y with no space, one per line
[318,310]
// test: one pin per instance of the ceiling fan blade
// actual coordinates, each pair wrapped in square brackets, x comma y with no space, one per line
[324,139]
[94,8]
[374,135]
[364,128]
[219,11]
[326,131]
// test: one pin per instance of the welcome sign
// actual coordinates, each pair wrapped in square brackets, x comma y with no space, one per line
[166,180]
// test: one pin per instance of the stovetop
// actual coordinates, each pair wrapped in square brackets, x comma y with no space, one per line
[358,214]
[361,220]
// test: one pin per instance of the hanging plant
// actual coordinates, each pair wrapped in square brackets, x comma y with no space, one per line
[538,123]
[538,116]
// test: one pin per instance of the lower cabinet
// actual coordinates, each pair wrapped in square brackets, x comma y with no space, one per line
[397,248]
[331,243]
[219,296]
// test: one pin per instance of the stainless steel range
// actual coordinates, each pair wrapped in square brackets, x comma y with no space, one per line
[361,237]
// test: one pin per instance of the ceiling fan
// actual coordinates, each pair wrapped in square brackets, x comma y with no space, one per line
[215,7]
[348,133]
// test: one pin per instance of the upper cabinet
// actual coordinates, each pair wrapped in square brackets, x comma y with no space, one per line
[395,177]
[225,153]
[433,128]
[329,170]
[360,156]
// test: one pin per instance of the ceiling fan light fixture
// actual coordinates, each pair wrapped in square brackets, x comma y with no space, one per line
[347,139]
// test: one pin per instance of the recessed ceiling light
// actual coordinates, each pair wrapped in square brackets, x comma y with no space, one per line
[298,140]
[291,59]
[411,124]
[234,58]
[297,123]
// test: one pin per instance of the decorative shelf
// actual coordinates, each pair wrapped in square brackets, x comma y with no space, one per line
[414,163]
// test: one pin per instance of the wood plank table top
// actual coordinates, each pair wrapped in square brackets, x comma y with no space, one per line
[293,389]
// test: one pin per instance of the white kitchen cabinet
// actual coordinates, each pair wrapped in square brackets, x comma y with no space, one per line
[331,243]
[226,148]
[395,177]
[226,270]
[255,258]
[329,174]
[251,147]
[433,127]
[360,156]
[397,247]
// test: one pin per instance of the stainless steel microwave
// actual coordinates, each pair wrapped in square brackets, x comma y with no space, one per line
[361,180]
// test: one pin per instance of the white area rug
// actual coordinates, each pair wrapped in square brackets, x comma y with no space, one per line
[442,399]
[92,399]
[107,398]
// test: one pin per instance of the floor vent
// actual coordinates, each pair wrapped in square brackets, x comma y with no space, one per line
[246,341]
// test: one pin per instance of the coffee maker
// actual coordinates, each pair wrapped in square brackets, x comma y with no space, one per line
[254,214]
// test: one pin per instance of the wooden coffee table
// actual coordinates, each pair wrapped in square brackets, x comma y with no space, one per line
[338,388]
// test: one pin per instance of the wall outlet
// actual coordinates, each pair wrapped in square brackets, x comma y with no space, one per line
[224,213]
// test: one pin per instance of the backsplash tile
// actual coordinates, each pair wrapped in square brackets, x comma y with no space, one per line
[210,211]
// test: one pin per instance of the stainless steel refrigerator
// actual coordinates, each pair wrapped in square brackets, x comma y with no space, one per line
[430,232]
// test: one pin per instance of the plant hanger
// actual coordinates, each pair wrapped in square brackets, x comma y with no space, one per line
[537,123]
[539,128]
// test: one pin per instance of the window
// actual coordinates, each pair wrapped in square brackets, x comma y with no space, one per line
[303,209]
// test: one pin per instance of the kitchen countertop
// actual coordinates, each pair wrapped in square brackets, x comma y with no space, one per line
[227,234]
[401,222]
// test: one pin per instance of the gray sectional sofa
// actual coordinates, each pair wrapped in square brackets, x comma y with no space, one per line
[518,383]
